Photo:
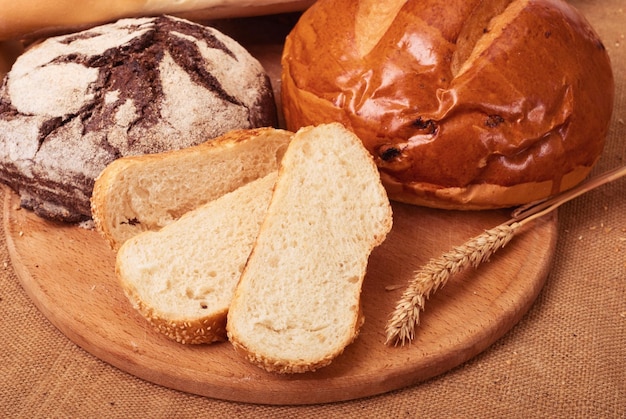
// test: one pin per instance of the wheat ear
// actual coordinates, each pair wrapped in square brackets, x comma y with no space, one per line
[435,274]
[400,328]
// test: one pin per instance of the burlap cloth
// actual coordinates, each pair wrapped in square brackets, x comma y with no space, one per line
[566,358]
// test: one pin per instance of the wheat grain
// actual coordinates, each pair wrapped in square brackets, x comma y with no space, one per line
[435,274]
[400,328]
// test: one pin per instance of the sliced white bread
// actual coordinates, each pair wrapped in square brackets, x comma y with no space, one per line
[181,278]
[297,304]
[147,192]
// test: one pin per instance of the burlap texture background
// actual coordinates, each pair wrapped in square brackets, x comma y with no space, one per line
[566,358]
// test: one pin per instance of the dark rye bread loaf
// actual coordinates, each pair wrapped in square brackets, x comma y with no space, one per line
[72,104]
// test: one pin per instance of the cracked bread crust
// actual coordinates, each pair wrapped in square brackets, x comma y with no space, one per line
[72,104]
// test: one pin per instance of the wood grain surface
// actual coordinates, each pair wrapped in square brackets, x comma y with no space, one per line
[68,272]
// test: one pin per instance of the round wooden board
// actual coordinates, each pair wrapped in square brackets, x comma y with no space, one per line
[68,272]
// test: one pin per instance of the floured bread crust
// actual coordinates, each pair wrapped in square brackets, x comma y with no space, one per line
[72,104]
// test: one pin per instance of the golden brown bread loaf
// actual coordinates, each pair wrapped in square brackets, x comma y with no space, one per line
[464,104]
[34,18]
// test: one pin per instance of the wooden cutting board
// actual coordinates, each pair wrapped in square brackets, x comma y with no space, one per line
[68,272]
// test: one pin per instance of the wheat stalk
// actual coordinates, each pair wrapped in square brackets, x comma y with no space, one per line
[435,274]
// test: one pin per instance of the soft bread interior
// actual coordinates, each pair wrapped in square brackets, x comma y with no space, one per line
[182,277]
[298,302]
[143,193]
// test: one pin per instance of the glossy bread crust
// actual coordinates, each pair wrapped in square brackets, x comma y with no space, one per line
[464,104]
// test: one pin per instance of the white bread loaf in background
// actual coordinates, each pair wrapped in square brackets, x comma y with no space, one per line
[297,305]
[182,277]
[147,192]
[34,18]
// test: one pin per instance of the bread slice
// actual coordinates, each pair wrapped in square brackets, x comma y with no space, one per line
[182,277]
[297,305]
[148,192]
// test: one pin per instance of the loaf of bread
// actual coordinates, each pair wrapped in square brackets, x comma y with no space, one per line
[297,304]
[33,18]
[139,193]
[465,104]
[182,277]
[72,104]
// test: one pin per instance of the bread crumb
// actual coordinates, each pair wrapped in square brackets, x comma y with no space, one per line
[87,225]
